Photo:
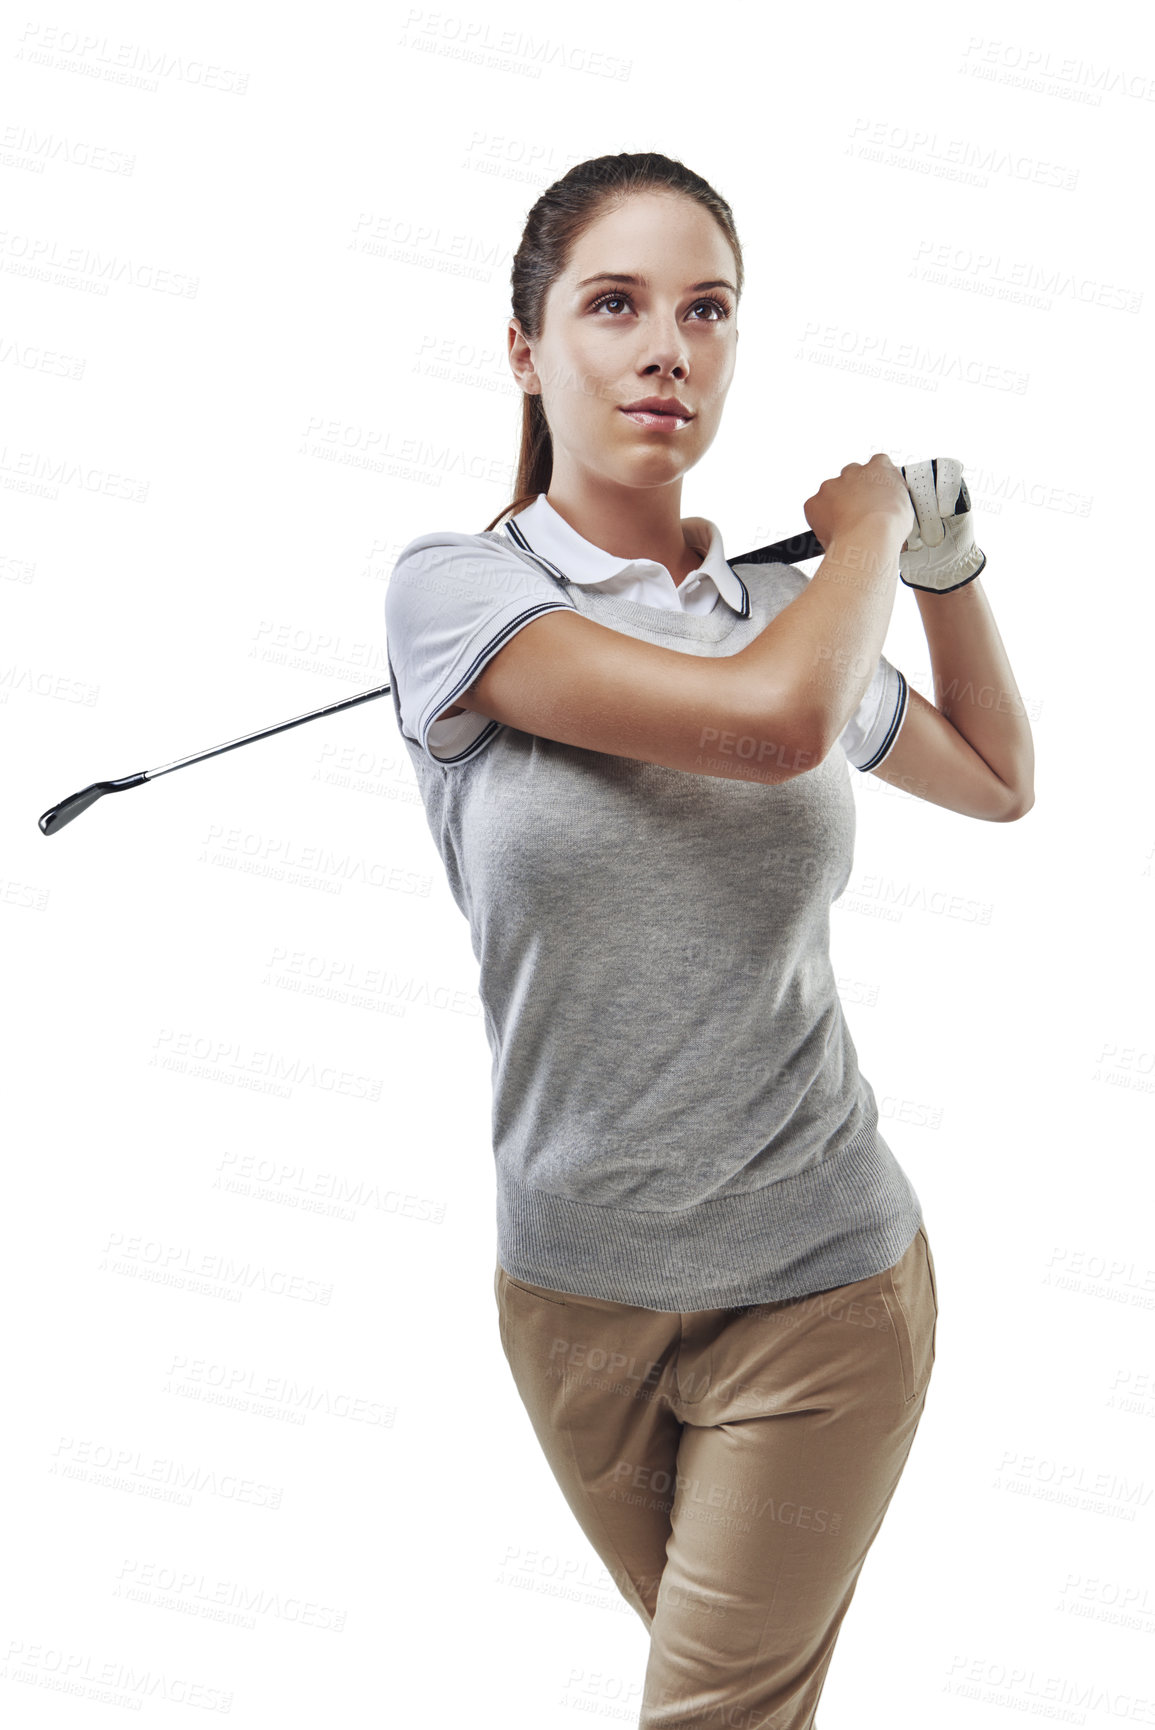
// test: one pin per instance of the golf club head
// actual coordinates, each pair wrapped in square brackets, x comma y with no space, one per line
[58,815]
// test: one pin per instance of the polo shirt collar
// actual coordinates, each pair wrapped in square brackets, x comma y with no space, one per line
[546,533]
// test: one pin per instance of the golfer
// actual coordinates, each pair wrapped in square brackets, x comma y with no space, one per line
[714,1284]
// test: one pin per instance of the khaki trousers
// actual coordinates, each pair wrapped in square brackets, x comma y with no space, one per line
[732,1469]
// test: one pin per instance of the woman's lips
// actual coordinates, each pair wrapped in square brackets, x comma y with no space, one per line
[644,417]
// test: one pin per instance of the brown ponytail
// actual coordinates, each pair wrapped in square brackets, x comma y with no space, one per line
[562,213]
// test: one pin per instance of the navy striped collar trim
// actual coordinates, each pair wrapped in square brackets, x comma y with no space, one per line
[517,536]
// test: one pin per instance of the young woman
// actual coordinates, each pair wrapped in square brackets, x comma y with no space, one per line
[715,1288]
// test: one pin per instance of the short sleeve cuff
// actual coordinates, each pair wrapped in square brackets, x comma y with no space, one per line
[470,731]
[871,734]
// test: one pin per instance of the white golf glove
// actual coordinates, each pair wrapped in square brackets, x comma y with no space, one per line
[940,553]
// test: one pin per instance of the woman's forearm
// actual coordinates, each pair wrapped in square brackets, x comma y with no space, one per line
[974,686]
[819,654]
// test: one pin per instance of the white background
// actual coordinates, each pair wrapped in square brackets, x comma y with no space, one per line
[262,1451]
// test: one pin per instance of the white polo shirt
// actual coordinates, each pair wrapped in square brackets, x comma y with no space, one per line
[868,737]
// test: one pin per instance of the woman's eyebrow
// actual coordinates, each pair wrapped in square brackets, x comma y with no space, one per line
[640,281]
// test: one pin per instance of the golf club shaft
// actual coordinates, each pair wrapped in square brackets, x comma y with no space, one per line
[804,545]
[58,815]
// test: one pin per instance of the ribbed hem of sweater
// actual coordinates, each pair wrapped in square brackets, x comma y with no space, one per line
[718,1254]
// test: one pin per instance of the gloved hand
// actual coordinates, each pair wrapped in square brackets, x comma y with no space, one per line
[940,553]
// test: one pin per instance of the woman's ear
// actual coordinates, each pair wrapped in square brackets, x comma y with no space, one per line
[520,357]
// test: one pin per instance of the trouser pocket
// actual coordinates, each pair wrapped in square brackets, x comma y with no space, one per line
[908,1290]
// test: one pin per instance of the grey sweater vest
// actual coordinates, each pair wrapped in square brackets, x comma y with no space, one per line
[678,1118]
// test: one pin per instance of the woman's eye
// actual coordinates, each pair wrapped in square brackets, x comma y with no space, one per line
[721,307]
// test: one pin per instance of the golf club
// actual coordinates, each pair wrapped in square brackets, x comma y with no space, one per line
[804,545]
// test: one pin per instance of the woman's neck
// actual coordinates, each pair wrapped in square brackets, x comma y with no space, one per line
[629,532]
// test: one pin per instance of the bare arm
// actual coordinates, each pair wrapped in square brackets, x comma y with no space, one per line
[821,651]
[972,752]
[566,677]
[975,688]
[772,710]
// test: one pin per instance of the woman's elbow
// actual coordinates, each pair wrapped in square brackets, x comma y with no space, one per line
[1019,805]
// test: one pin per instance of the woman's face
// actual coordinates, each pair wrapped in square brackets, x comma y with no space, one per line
[606,344]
